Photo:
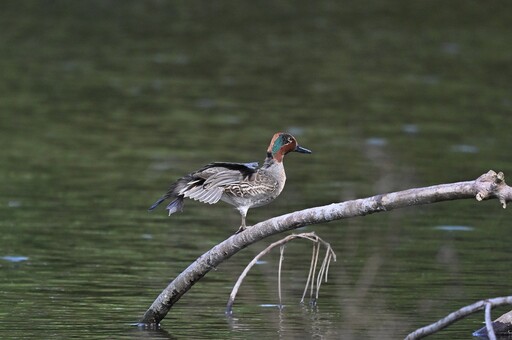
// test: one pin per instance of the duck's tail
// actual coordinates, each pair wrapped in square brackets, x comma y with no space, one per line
[175,206]
[173,193]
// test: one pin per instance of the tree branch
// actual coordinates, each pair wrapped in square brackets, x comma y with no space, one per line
[460,314]
[489,185]
[501,326]
[488,322]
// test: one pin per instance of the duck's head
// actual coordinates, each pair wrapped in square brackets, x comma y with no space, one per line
[283,143]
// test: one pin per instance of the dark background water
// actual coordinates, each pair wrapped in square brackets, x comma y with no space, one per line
[104,103]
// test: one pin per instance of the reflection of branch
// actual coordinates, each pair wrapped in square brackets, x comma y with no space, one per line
[316,247]
[460,314]
[489,185]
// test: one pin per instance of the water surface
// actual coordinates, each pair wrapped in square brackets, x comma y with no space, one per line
[104,103]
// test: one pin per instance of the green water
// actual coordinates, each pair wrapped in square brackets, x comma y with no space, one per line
[104,103]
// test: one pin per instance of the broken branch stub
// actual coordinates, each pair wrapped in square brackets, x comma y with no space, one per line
[492,184]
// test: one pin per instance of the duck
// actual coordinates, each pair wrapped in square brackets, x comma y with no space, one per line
[242,185]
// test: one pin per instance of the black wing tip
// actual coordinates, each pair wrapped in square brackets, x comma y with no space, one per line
[245,169]
[156,204]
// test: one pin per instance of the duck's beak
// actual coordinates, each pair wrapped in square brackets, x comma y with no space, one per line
[301,149]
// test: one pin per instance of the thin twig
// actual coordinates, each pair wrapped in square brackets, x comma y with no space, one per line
[281,258]
[246,270]
[331,252]
[488,322]
[229,307]
[321,272]
[316,249]
[309,274]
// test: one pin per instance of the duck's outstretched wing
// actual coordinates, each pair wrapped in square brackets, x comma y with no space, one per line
[206,184]
[210,181]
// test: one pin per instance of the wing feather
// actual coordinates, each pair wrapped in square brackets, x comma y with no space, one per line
[223,178]
[209,183]
[200,194]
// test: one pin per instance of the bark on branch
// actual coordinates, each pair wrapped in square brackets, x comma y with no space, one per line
[489,185]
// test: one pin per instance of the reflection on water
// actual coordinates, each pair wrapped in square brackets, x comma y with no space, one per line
[105,103]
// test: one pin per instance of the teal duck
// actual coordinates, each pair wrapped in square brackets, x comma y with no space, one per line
[242,185]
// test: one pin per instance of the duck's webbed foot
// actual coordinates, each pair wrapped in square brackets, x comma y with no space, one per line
[242,228]
[243,212]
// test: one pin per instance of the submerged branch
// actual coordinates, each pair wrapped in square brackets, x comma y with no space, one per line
[489,185]
[501,326]
[460,314]
[488,322]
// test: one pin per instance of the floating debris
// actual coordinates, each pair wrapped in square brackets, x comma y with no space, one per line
[411,129]
[464,148]
[14,204]
[376,141]
[15,258]
[454,228]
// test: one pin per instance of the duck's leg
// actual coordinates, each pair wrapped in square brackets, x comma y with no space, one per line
[243,212]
